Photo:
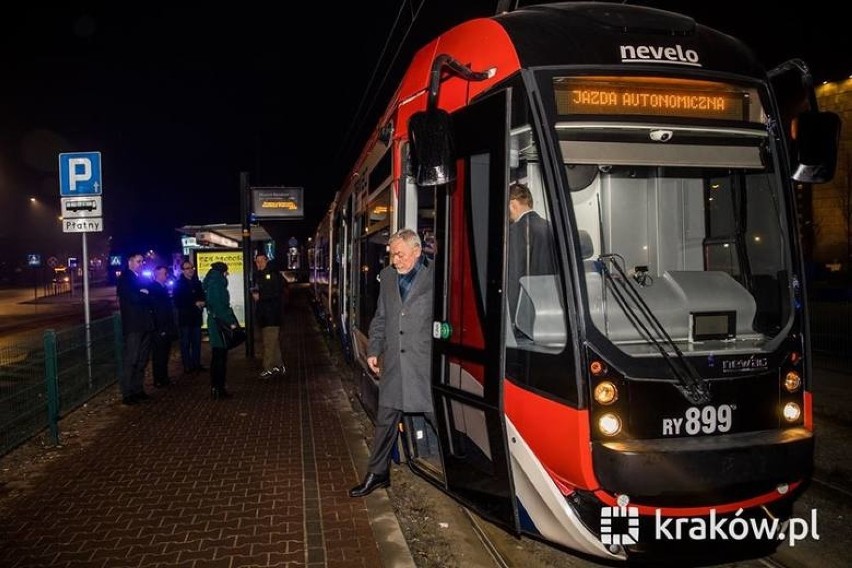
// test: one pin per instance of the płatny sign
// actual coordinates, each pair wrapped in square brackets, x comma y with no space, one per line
[82,225]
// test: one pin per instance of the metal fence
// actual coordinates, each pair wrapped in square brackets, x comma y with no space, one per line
[44,377]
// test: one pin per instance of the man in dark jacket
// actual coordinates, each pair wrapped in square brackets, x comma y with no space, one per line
[165,328]
[189,300]
[267,292]
[530,243]
[401,333]
[137,325]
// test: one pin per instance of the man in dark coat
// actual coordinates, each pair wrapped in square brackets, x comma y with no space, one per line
[189,300]
[267,292]
[137,325]
[401,333]
[530,243]
[165,328]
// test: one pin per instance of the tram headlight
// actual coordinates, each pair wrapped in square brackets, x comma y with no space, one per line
[609,424]
[606,393]
[792,381]
[792,412]
[597,368]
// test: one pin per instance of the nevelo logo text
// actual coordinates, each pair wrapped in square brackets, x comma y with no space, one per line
[675,54]
[620,526]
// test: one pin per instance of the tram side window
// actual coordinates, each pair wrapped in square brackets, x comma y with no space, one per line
[417,206]
[536,328]
[535,308]
[767,257]
[426,220]
[721,250]
[374,258]
[373,255]
[321,260]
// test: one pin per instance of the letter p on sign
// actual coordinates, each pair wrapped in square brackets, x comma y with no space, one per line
[79,169]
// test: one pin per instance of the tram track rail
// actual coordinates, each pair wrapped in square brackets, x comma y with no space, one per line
[487,543]
[772,562]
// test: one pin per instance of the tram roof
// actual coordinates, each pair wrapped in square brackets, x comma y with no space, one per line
[593,33]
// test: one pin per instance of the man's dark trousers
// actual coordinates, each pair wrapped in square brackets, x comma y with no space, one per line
[137,348]
[160,350]
[387,421]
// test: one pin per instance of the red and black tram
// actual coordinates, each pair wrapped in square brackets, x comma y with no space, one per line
[661,369]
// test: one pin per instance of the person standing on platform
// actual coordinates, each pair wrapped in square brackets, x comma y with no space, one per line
[400,333]
[189,300]
[165,328]
[267,292]
[137,325]
[218,307]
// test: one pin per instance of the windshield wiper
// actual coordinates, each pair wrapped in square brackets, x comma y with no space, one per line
[692,385]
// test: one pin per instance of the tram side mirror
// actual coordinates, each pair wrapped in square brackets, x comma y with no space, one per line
[816,138]
[431,136]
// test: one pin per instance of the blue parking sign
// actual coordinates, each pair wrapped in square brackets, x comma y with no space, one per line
[80,174]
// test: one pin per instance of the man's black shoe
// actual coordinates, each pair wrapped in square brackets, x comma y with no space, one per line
[371,482]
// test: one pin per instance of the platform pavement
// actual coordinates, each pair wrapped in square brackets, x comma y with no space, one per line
[260,479]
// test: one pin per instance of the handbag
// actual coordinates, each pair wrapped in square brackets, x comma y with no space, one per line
[232,336]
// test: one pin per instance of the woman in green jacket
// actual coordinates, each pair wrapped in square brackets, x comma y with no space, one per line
[218,307]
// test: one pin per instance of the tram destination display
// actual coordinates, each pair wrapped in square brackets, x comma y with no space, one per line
[652,97]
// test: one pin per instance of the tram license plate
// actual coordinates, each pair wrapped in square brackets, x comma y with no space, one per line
[700,421]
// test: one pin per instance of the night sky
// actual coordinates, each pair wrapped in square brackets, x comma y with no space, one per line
[179,101]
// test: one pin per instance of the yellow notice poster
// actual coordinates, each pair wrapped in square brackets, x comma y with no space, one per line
[234,260]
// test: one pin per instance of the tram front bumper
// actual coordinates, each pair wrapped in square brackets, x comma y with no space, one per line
[717,468]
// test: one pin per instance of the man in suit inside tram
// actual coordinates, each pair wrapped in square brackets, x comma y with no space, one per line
[531,249]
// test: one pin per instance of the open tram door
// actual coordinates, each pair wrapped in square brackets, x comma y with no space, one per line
[467,390]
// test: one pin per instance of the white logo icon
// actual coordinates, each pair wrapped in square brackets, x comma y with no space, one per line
[630,514]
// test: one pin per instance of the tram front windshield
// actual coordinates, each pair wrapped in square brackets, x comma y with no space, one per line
[678,218]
